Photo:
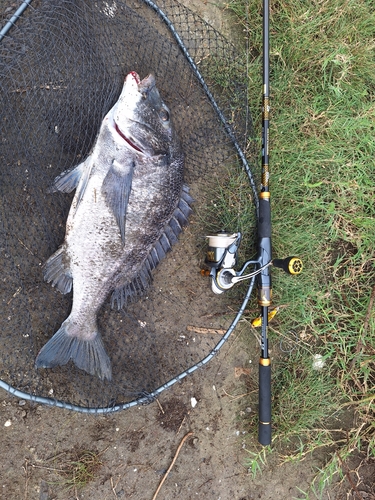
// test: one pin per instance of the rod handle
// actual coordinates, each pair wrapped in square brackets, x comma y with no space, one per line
[264,221]
[264,435]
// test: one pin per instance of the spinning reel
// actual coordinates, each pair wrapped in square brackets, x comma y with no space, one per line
[222,256]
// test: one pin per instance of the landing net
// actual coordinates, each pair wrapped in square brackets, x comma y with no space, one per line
[62,67]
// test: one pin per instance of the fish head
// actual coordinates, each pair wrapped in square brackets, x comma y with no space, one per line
[141,117]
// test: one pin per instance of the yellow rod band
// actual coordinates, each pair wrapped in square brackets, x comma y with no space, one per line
[266,195]
[265,361]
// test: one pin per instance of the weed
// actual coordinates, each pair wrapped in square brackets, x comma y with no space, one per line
[77,468]
[257,460]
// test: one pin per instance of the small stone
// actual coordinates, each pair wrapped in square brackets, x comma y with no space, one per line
[318,362]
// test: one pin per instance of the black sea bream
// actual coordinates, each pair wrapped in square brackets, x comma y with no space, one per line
[129,206]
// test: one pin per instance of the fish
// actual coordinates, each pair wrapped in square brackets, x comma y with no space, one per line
[129,207]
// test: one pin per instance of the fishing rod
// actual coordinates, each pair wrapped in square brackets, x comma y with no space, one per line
[223,251]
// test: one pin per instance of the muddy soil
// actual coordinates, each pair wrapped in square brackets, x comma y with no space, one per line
[134,448]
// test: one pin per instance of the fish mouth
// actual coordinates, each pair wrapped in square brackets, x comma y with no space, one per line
[134,75]
[139,86]
[147,82]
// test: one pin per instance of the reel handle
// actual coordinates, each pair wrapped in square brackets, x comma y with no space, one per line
[291,265]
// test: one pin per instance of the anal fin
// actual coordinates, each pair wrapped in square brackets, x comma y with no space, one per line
[132,290]
[68,180]
[56,271]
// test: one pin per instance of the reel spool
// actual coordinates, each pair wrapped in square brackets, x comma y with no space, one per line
[222,258]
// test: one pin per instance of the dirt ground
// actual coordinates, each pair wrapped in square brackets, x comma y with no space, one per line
[135,448]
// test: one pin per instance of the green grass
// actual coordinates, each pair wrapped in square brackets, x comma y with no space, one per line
[323,210]
[77,468]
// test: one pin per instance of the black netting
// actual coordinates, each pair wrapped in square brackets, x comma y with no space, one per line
[62,67]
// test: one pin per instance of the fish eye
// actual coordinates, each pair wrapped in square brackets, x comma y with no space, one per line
[164,115]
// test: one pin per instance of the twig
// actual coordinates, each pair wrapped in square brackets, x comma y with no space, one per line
[210,331]
[27,248]
[14,295]
[347,474]
[27,478]
[173,461]
[369,308]
[368,399]
[54,457]
[114,486]
[50,469]
[182,423]
[208,480]
[160,406]
[233,398]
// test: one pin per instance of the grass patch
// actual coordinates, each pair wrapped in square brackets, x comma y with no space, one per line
[323,209]
[76,468]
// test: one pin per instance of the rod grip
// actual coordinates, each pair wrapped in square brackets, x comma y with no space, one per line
[264,435]
[264,222]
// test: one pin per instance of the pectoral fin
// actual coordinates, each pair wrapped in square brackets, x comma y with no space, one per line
[74,179]
[68,180]
[116,190]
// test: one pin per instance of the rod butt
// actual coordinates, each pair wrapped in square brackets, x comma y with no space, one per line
[265,431]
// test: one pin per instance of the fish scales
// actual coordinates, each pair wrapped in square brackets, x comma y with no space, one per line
[129,207]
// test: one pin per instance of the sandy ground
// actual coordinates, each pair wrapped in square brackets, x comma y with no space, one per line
[135,447]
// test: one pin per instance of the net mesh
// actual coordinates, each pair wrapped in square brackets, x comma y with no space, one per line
[61,69]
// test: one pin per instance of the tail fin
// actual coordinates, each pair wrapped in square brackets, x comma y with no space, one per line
[87,354]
